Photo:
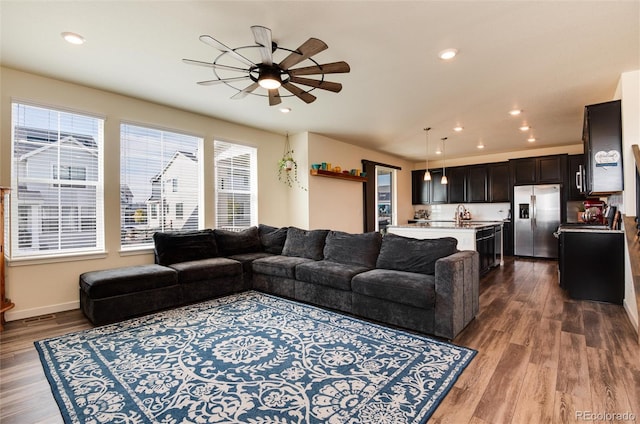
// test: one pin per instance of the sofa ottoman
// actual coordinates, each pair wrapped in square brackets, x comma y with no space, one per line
[112,295]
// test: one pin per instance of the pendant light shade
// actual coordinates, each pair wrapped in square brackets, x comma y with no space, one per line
[444,180]
[427,174]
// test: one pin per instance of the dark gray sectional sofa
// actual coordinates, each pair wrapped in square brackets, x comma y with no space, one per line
[422,285]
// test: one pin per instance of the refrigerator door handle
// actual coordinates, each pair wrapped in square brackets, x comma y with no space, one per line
[533,212]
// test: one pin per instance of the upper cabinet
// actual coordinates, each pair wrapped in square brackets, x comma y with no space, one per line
[477,184]
[602,138]
[467,184]
[575,168]
[499,179]
[539,170]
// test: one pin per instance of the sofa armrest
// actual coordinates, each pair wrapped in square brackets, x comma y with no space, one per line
[457,286]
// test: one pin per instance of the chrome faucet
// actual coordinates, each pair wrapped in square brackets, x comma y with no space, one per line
[460,214]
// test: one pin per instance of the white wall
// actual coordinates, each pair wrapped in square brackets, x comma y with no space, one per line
[629,92]
[39,287]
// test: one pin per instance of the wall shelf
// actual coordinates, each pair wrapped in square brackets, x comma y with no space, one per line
[340,175]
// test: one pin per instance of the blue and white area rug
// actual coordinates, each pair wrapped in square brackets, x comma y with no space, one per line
[249,358]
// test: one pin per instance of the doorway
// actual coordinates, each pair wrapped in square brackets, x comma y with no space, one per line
[385,198]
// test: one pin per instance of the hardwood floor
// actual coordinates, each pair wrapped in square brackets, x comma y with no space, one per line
[542,357]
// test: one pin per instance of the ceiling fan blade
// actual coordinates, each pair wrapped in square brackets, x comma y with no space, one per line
[262,36]
[325,85]
[306,50]
[242,94]
[327,68]
[214,65]
[298,92]
[207,39]
[219,81]
[274,97]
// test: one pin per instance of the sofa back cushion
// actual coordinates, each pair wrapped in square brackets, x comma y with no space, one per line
[238,242]
[413,255]
[353,249]
[305,243]
[272,238]
[181,246]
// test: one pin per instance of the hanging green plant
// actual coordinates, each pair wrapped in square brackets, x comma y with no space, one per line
[288,167]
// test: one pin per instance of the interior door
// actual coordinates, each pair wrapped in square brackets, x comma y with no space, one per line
[385,198]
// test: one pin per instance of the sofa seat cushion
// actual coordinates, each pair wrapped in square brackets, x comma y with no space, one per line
[413,255]
[181,246]
[236,242]
[353,249]
[207,269]
[327,273]
[125,280]
[407,288]
[246,259]
[278,266]
[305,243]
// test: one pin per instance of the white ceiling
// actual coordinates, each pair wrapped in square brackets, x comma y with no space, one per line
[548,58]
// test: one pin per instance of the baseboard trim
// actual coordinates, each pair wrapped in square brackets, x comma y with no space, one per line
[34,312]
[633,319]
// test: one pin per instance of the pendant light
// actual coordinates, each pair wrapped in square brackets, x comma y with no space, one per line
[444,180]
[427,174]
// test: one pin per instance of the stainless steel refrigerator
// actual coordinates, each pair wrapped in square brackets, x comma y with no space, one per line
[536,217]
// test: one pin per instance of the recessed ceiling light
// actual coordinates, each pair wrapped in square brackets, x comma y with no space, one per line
[531,139]
[525,128]
[438,152]
[285,109]
[448,54]
[458,128]
[480,146]
[515,112]
[73,38]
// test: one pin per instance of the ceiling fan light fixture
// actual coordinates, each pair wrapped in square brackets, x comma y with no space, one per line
[269,81]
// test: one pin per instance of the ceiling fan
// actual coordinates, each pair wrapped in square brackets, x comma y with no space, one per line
[268,74]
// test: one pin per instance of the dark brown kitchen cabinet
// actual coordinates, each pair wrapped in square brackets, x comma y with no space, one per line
[539,170]
[573,166]
[420,189]
[499,182]
[438,190]
[602,137]
[477,184]
[457,177]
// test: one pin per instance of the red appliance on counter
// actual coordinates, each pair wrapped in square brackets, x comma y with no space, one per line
[594,212]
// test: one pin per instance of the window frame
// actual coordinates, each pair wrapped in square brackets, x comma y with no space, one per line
[39,128]
[251,179]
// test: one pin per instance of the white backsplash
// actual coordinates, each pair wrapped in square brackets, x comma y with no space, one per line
[479,211]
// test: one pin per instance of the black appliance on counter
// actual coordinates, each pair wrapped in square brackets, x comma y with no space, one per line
[591,262]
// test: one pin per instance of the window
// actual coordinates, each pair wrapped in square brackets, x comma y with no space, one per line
[57,179]
[236,186]
[159,170]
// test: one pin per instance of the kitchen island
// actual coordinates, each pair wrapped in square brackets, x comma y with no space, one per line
[483,236]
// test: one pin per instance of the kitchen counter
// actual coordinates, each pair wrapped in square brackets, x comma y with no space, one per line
[451,225]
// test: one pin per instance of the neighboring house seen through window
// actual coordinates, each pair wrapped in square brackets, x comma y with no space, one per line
[236,186]
[57,182]
[159,170]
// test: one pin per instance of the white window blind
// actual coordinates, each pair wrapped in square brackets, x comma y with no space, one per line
[160,178]
[236,186]
[57,182]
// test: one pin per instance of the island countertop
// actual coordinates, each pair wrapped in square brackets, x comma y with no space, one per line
[450,225]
